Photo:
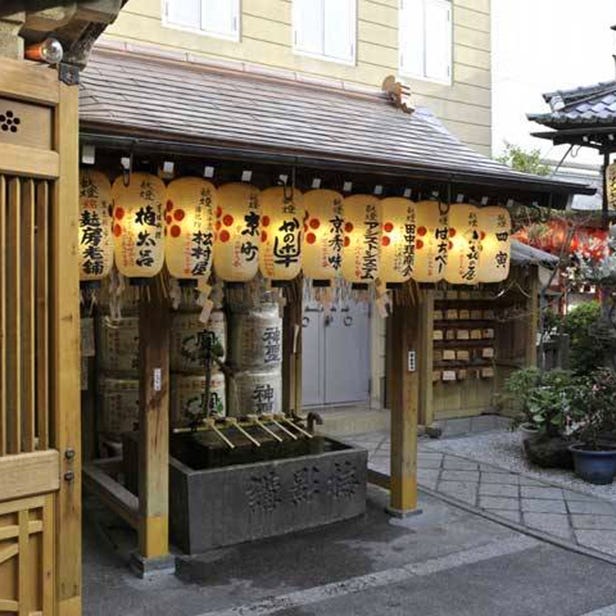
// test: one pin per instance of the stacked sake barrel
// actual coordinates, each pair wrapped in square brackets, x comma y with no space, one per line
[117,352]
[188,370]
[255,356]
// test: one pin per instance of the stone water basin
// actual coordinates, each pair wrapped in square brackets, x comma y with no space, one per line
[221,497]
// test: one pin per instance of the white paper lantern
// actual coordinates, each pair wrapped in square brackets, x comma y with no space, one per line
[464,244]
[432,243]
[495,257]
[398,240]
[362,239]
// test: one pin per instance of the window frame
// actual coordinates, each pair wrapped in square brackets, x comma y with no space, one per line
[448,81]
[235,38]
[322,56]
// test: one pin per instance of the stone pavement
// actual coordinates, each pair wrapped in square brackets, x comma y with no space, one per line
[577,518]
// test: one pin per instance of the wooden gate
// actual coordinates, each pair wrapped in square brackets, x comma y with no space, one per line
[40,493]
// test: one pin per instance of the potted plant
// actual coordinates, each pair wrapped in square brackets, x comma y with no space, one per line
[594,453]
[518,387]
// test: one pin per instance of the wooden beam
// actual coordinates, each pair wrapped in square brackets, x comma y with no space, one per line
[27,474]
[32,162]
[13,317]
[113,494]
[425,350]
[403,398]
[154,423]
[65,365]
[533,316]
[30,81]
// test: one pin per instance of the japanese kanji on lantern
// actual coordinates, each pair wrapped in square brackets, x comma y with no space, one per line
[95,246]
[323,235]
[138,240]
[494,259]
[464,244]
[398,240]
[189,218]
[282,213]
[362,239]
[236,238]
[432,241]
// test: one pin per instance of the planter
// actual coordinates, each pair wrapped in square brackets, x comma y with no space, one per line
[527,432]
[598,467]
[549,451]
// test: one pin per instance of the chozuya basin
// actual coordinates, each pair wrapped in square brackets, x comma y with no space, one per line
[221,497]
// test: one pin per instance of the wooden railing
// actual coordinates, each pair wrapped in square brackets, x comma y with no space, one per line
[24,326]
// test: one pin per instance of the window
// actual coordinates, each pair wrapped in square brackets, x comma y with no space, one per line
[325,29]
[219,18]
[425,39]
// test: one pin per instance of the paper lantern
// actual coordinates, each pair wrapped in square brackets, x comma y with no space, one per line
[323,235]
[189,218]
[95,246]
[282,213]
[138,240]
[432,242]
[495,256]
[464,244]
[236,241]
[362,239]
[398,240]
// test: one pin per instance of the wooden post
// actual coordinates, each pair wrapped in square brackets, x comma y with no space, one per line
[533,316]
[425,356]
[65,394]
[403,397]
[153,426]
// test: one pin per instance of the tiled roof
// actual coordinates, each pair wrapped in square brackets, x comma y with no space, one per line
[591,105]
[523,254]
[142,96]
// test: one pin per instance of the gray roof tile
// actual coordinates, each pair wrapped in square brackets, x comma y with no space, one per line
[123,92]
[583,106]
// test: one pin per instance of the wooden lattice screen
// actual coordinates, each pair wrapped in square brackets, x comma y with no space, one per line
[24,286]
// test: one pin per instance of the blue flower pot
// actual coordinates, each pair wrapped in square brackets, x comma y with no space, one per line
[597,467]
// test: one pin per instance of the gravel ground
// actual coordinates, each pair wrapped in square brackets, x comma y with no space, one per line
[504,449]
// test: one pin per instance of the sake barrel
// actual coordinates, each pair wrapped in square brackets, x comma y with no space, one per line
[255,391]
[187,397]
[185,353]
[255,339]
[118,345]
[119,405]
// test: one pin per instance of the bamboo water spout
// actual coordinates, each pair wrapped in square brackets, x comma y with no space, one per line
[273,419]
[210,423]
[254,419]
[232,421]
[296,426]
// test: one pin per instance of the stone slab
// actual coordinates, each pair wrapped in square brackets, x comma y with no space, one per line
[454,463]
[543,505]
[508,478]
[541,492]
[496,502]
[498,489]
[585,521]
[602,540]
[450,475]
[597,507]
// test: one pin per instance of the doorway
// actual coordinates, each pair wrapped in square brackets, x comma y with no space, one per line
[336,354]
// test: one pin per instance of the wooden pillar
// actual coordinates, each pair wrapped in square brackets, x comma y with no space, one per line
[291,349]
[533,316]
[403,388]
[65,361]
[425,356]
[154,322]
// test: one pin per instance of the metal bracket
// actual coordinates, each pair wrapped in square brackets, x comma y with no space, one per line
[68,74]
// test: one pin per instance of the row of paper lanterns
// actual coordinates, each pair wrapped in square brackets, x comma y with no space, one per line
[238,230]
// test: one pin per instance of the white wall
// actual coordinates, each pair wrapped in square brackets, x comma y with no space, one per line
[544,45]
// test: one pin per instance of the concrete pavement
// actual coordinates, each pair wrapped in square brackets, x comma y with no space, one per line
[445,561]
[584,521]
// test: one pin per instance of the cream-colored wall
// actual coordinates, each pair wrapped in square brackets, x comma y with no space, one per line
[266,35]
